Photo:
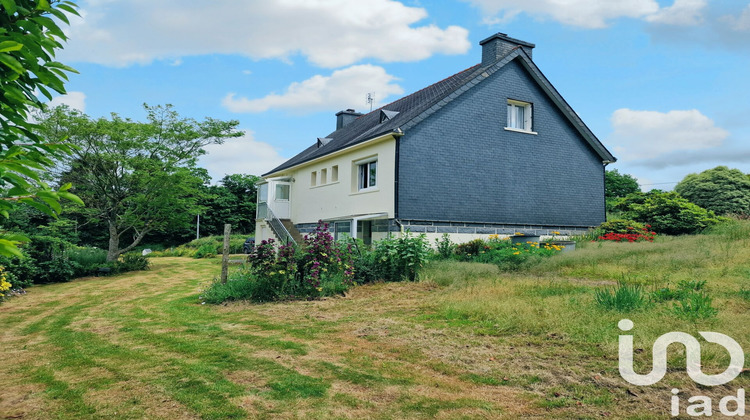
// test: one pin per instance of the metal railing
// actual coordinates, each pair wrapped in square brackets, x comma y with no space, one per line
[278,228]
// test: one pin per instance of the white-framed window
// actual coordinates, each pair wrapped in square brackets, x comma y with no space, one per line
[323,176]
[313,178]
[519,115]
[282,192]
[367,174]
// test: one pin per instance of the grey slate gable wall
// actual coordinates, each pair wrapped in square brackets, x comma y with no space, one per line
[461,165]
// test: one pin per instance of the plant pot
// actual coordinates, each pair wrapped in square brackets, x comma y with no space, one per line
[522,239]
[567,246]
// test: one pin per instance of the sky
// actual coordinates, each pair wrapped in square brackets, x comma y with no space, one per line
[662,83]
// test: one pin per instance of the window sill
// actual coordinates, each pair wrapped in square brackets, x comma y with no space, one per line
[323,185]
[366,191]
[516,130]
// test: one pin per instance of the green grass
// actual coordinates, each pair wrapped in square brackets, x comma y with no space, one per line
[468,341]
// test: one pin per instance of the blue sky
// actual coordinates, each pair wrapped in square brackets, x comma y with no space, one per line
[663,84]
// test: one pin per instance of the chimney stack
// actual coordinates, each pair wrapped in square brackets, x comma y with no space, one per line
[344,118]
[499,45]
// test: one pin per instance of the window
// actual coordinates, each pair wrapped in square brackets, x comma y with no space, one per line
[519,115]
[368,175]
[335,173]
[323,176]
[314,178]
[282,192]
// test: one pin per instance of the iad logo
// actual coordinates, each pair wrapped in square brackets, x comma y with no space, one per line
[702,405]
[692,351]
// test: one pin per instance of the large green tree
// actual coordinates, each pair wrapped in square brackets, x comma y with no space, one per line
[136,177]
[619,185]
[723,190]
[29,38]
[233,201]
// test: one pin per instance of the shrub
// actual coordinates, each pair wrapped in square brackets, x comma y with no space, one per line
[466,251]
[623,298]
[87,260]
[205,251]
[444,246]
[667,213]
[237,288]
[19,271]
[401,258]
[131,262]
[4,283]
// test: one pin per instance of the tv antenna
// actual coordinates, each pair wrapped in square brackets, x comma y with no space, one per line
[370,99]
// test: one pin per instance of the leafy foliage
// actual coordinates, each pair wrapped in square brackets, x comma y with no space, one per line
[136,177]
[233,202]
[667,213]
[29,38]
[721,190]
[617,185]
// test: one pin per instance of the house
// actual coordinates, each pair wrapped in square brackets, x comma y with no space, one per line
[494,149]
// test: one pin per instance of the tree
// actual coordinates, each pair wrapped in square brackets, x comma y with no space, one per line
[29,38]
[619,185]
[136,177]
[723,190]
[233,201]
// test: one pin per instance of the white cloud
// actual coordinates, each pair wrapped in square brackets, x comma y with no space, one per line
[583,13]
[681,13]
[346,88]
[242,155]
[75,100]
[649,134]
[740,23]
[332,33]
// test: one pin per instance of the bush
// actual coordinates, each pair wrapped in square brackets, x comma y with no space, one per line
[623,298]
[19,271]
[131,262]
[401,258]
[667,213]
[624,231]
[466,251]
[444,246]
[205,251]
[87,260]
[236,288]
[50,260]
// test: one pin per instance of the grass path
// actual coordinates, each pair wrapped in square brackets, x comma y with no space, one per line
[469,342]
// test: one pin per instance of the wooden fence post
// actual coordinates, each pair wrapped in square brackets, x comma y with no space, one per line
[225,255]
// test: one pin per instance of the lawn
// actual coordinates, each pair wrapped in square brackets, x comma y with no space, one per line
[468,341]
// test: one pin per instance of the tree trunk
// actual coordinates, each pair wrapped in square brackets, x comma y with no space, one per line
[114,243]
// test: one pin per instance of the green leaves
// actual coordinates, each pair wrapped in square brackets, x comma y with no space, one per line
[29,37]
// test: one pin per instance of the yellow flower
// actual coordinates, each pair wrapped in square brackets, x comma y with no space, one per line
[281,271]
[516,253]
[320,289]
[519,233]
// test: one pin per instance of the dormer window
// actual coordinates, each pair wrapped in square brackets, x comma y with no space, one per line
[519,116]
[386,115]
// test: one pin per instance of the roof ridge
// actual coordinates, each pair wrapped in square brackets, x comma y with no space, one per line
[423,89]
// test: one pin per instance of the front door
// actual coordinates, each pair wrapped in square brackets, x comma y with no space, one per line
[282,200]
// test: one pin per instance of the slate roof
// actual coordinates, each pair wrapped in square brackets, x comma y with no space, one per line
[414,108]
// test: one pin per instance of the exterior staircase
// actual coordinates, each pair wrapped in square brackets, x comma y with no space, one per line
[283,229]
[296,235]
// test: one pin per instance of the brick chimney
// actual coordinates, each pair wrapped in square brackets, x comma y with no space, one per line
[343,118]
[499,45]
